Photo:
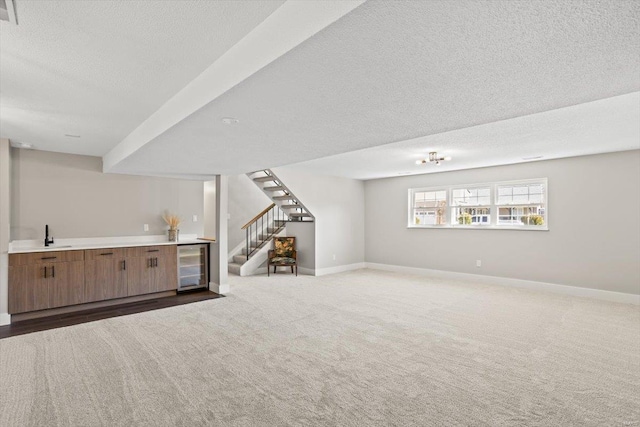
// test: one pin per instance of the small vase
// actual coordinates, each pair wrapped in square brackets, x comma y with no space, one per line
[173,234]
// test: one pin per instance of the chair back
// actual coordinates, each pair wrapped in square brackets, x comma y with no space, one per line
[284,246]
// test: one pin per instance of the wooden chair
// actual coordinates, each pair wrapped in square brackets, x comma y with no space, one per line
[283,254]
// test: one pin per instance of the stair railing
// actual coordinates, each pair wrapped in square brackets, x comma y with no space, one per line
[256,234]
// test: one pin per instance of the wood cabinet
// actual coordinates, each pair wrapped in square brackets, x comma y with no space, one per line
[153,269]
[28,290]
[105,274]
[42,280]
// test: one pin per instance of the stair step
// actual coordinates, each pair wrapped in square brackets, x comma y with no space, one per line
[239,259]
[274,188]
[284,197]
[290,206]
[299,214]
[264,179]
[234,268]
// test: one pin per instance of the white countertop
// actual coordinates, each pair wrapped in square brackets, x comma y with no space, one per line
[27,246]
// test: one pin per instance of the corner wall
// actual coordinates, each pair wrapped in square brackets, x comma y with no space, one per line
[338,206]
[593,215]
[305,234]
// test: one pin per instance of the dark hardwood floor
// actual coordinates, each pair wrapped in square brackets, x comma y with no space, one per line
[84,316]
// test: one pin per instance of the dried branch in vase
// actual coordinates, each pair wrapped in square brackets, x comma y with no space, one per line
[173,221]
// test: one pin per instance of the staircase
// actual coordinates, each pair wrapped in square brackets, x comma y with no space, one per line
[249,256]
[284,198]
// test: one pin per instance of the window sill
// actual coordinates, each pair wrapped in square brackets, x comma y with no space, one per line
[478,227]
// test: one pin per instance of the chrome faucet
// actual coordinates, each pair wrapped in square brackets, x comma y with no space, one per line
[47,240]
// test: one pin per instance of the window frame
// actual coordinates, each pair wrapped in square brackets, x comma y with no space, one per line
[411,214]
[453,221]
[493,206]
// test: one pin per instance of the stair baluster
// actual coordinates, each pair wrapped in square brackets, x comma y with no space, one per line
[256,234]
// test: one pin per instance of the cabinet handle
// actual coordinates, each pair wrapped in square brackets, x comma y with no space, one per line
[53,271]
[107,253]
[153,250]
[49,257]
[124,265]
[156,262]
[45,272]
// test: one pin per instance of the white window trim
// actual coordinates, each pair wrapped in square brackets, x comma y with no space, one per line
[493,224]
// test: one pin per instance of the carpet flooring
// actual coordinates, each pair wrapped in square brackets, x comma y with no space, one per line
[363,348]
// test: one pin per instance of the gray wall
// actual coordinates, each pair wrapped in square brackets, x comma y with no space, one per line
[338,206]
[246,200]
[305,234]
[72,195]
[5,203]
[593,214]
[209,219]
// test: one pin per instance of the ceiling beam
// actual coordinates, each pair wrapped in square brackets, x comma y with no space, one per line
[290,25]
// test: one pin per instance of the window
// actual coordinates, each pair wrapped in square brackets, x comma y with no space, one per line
[514,205]
[521,204]
[468,206]
[428,207]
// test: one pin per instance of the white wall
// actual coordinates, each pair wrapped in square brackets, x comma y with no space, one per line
[305,234]
[246,200]
[209,210]
[71,194]
[593,215]
[5,202]
[338,206]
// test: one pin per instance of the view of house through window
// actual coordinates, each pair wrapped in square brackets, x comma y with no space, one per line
[429,207]
[517,204]
[469,205]
[521,204]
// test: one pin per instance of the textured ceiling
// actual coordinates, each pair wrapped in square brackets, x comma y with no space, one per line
[426,72]
[597,127]
[99,68]
[394,71]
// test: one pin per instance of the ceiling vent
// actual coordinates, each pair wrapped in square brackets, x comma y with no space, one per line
[8,11]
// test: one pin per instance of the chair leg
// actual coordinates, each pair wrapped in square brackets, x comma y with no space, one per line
[292,269]
[268,270]
[296,270]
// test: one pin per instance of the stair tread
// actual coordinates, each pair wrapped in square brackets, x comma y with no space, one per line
[299,214]
[273,188]
[290,206]
[283,197]
[264,179]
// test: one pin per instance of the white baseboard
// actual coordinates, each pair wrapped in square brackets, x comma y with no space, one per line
[5,319]
[307,271]
[301,270]
[518,283]
[339,269]
[322,271]
[219,289]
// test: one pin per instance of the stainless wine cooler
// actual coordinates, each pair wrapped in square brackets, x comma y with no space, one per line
[193,267]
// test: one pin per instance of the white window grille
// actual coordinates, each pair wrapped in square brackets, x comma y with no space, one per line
[522,204]
[471,206]
[429,207]
[512,204]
